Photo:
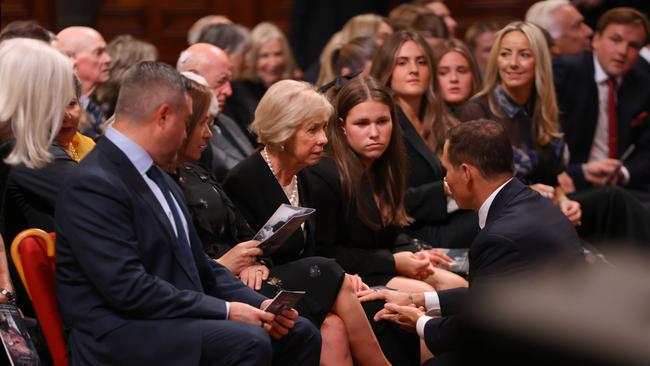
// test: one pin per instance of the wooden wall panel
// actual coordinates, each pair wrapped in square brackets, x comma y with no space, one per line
[165,22]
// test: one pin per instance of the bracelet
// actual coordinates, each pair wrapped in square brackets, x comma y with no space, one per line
[11,298]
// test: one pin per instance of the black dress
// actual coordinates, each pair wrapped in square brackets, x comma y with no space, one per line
[221,226]
[340,232]
[257,194]
[609,214]
[425,198]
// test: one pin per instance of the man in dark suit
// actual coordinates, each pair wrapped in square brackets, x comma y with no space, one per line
[133,283]
[229,144]
[519,231]
[604,103]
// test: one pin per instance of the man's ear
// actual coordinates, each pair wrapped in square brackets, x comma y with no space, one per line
[162,114]
[467,172]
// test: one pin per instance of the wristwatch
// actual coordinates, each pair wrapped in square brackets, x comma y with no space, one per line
[11,299]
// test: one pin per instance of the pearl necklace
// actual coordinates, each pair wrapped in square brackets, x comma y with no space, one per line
[291,191]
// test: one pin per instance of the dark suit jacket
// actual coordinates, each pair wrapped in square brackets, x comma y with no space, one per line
[340,232]
[577,95]
[252,187]
[118,265]
[228,146]
[522,231]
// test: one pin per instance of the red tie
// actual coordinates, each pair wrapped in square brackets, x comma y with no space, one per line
[612,119]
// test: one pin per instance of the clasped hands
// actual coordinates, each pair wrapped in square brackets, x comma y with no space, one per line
[420,265]
[571,209]
[401,308]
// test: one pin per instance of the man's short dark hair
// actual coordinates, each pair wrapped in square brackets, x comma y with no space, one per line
[624,15]
[146,86]
[232,38]
[482,143]
[25,29]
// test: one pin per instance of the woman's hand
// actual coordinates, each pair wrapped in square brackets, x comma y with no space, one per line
[544,190]
[240,256]
[357,283]
[254,275]
[571,209]
[439,257]
[413,265]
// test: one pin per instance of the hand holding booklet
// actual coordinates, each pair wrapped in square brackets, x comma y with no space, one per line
[17,343]
[284,221]
[284,300]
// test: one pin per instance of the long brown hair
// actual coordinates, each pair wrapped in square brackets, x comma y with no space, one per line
[454,45]
[387,174]
[435,120]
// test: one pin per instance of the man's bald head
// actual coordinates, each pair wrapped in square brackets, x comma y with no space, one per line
[87,49]
[213,64]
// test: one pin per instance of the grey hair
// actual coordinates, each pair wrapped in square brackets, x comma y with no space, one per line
[233,38]
[145,87]
[540,14]
[286,106]
[36,82]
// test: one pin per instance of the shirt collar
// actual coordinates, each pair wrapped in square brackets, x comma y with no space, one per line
[645,53]
[485,207]
[138,156]
[600,75]
[509,106]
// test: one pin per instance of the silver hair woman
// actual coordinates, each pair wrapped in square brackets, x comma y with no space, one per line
[40,81]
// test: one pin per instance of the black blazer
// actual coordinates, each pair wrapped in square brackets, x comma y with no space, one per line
[118,265]
[252,187]
[522,231]
[425,198]
[341,234]
[577,95]
[31,194]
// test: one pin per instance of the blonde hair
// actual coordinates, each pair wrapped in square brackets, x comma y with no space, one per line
[364,25]
[544,121]
[286,106]
[262,34]
[37,84]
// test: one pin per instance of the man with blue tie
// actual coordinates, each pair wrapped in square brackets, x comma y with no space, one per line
[133,283]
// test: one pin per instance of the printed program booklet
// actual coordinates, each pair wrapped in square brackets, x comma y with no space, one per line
[284,221]
[284,300]
[16,340]
[460,259]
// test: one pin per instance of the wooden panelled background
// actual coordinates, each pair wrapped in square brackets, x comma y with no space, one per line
[165,22]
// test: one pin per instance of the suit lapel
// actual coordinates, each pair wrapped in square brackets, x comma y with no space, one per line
[134,180]
[413,138]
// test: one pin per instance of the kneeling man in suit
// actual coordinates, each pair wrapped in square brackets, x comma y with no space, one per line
[519,231]
[133,283]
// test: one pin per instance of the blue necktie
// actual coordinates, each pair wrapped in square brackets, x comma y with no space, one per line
[185,250]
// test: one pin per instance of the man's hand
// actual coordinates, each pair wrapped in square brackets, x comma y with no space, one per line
[596,172]
[413,265]
[254,275]
[282,323]
[240,256]
[245,313]
[406,316]
[566,182]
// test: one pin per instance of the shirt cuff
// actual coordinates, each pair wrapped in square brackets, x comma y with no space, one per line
[626,176]
[422,322]
[432,303]
[227,310]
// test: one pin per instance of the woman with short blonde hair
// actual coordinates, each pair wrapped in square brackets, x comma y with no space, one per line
[37,85]
[287,105]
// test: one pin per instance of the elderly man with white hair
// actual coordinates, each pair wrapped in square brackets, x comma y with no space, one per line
[87,49]
[228,145]
[565,25]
